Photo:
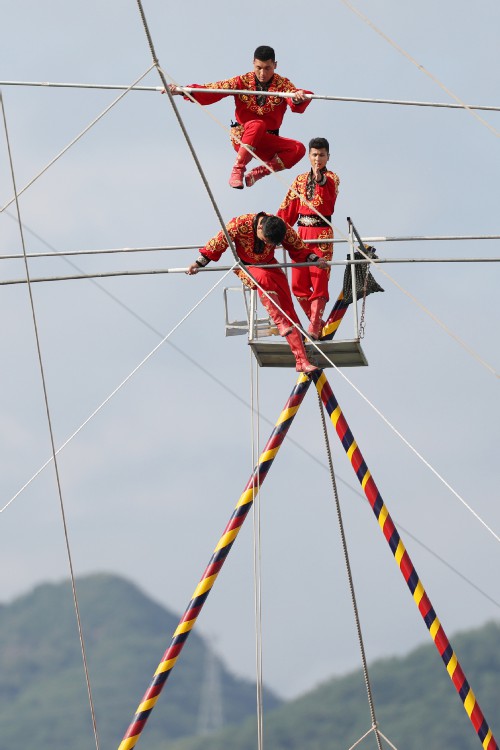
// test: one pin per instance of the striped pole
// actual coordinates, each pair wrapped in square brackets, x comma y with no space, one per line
[335,318]
[405,564]
[217,560]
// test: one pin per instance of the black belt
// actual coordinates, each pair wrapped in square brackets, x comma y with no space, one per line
[239,125]
[310,220]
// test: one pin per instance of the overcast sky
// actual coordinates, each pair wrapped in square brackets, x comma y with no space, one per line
[149,484]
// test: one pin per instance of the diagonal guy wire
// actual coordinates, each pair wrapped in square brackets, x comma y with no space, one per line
[77,138]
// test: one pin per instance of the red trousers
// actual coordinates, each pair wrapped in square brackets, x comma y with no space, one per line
[276,285]
[311,282]
[266,145]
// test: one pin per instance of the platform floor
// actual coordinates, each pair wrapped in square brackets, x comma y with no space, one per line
[278,354]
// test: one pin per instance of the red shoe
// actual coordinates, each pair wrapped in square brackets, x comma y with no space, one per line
[236,178]
[275,165]
[257,173]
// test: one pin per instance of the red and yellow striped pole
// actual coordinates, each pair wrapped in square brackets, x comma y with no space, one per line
[405,564]
[335,318]
[215,564]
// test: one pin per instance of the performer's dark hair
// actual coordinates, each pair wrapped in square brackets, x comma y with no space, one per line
[264,53]
[274,229]
[319,143]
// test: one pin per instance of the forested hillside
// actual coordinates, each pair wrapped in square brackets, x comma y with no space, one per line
[44,702]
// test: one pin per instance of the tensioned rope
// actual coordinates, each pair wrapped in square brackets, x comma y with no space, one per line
[51,436]
[239,398]
[420,67]
[366,734]
[76,139]
[326,240]
[347,563]
[323,97]
[388,741]
[222,268]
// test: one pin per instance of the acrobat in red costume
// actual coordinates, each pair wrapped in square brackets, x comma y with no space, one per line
[250,234]
[258,118]
[310,284]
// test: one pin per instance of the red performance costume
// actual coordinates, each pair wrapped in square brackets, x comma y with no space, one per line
[258,120]
[311,283]
[255,252]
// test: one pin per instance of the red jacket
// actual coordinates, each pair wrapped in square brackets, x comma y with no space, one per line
[272,111]
[296,200]
[249,248]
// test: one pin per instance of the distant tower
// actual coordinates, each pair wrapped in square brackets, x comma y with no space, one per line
[210,717]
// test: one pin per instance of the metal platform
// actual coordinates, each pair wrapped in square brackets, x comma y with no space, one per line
[271,350]
[278,353]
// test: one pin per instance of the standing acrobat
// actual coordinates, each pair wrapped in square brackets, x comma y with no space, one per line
[255,237]
[316,189]
[258,118]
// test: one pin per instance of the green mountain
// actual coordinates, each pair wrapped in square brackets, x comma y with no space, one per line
[416,705]
[43,694]
[44,702]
